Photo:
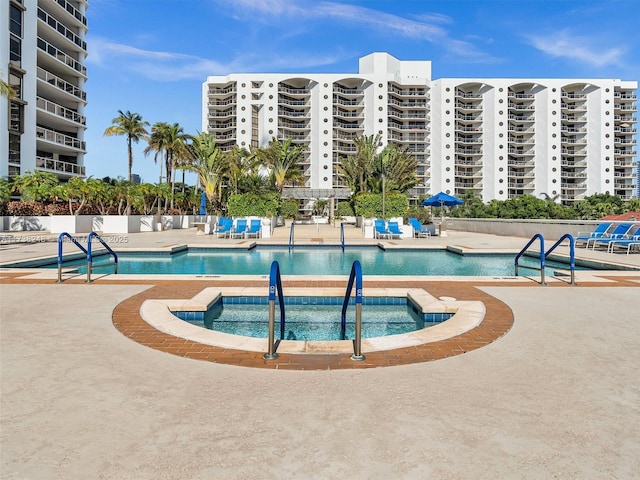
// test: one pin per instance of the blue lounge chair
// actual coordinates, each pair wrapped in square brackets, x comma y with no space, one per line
[380,230]
[224,227]
[240,228]
[394,230]
[254,229]
[632,243]
[621,232]
[599,231]
[418,229]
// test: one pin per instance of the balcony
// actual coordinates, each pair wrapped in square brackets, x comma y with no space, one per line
[60,139]
[62,30]
[227,90]
[59,166]
[61,57]
[520,107]
[73,11]
[60,112]
[61,85]
[293,91]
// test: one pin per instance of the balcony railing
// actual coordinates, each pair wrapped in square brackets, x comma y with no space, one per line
[59,138]
[60,111]
[58,82]
[222,90]
[61,29]
[61,56]
[72,10]
[59,166]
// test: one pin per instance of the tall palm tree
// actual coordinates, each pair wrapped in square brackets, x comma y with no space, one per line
[399,168]
[131,125]
[240,165]
[158,144]
[209,165]
[282,158]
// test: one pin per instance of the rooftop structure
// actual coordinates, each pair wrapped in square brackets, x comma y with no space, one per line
[43,54]
[501,138]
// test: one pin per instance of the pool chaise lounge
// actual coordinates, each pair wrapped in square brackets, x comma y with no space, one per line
[419,230]
[224,227]
[240,228]
[394,230]
[254,229]
[621,232]
[380,230]
[598,232]
[632,243]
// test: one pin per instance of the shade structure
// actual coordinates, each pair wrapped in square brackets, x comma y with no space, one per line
[203,204]
[442,200]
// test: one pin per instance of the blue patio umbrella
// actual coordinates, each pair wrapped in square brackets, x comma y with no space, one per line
[442,200]
[203,204]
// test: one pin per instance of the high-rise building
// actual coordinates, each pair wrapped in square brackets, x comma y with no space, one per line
[42,56]
[499,137]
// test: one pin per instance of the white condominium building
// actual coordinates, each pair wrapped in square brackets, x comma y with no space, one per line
[565,138]
[42,56]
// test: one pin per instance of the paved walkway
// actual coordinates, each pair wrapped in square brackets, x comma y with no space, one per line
[556,397]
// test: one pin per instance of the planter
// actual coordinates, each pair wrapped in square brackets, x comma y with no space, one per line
[71,223]
[148,222]
[29,223]
[96,223]
[121,223]
[170,222]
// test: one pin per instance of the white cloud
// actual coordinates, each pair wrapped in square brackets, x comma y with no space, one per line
[579,48]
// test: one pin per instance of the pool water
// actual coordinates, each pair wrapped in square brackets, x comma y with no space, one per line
[314,261]
[312,322]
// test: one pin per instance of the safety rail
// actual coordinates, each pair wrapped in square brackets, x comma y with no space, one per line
[572,254]
[342,235]
[542,257]
[356,275]
[90,255]
[60,242]
[275,287]
[291,235]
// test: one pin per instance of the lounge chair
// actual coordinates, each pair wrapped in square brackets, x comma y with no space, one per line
[254,229]
[224,227]
[599,231]
[240,228]
[380,231]
[621,232]
[632,243]
[394,230]
[418,229]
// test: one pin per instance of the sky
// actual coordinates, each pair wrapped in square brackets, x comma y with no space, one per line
[152,56]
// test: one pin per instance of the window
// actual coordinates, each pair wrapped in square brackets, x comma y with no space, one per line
[15,51]
[15,23]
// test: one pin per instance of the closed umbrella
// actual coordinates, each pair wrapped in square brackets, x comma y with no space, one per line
[203,204]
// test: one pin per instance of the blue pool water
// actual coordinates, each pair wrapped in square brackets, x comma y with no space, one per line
[313,321]
[313,261]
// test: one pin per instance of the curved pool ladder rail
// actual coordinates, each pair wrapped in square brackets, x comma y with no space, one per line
[60,260]
[93,235]
[275,287]
[537,236]
[572,254]
[356,275]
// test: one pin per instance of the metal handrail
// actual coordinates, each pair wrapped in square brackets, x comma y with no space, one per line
[572,254]
[275,286]
[342,235]
[291,236]
[542,256]
[90,255]
[356,274]
[60,237]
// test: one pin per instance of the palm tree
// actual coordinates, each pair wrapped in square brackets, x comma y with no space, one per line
[399,167]
[282,158]
[158,144]
[208,164]
[6,90]
[131,125]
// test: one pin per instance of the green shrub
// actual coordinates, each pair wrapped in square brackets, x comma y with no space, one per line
[289,208]
[252,204]
[369,205]
[344,209]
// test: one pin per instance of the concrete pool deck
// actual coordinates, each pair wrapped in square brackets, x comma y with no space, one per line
[556,396]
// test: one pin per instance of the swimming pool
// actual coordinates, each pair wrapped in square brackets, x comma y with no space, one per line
[312,261]
[319,320]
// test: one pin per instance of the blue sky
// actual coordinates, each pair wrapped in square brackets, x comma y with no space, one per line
[152,56]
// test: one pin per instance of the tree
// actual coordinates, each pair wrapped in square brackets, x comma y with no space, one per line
[6,90]
[399,168]
[36,185]
[133,127]
[282,158]
[208,164]
[158,141]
